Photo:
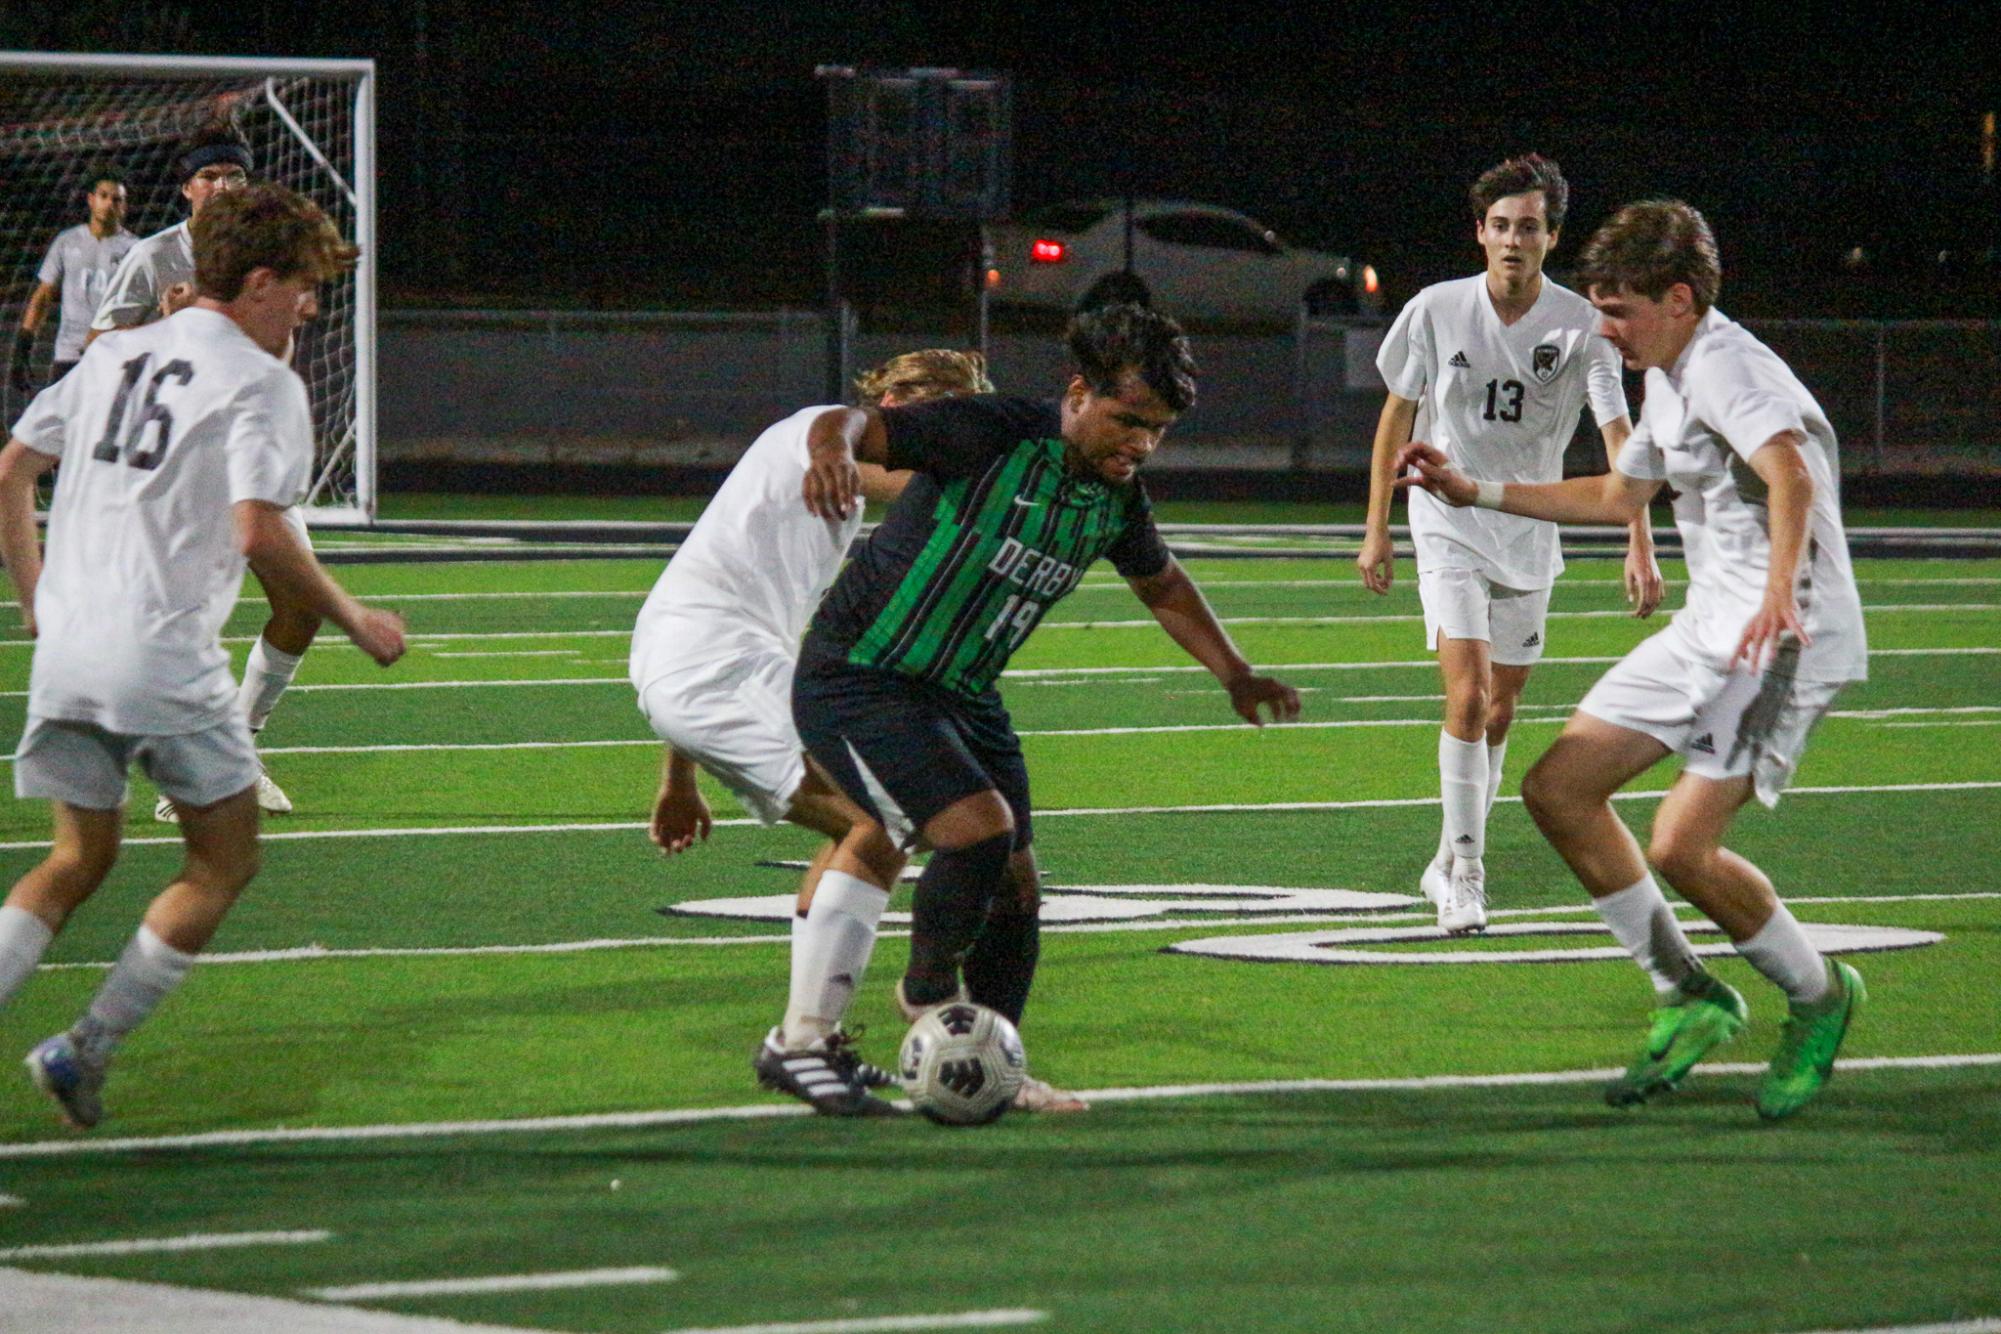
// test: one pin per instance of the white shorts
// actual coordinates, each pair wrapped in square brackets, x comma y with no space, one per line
[1723,724]
[83,765]
[1466,604]
[731,713]
[295,519]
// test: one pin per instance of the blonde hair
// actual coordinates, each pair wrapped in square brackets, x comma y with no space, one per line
[934,372]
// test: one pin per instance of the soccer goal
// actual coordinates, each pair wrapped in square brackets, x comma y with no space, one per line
[311,125]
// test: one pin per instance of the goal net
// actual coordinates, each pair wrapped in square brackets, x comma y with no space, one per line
[310,125]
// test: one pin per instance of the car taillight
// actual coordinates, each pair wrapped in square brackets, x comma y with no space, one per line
[1369,280]
[1047,252]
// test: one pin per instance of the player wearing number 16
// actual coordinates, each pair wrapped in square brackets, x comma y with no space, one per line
[181,445]
[1012,501]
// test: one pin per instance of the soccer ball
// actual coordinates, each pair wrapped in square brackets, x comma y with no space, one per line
[961,1064]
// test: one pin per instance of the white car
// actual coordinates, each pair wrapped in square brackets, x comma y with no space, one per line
[1190,260]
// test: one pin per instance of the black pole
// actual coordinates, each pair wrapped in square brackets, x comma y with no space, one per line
[837,389]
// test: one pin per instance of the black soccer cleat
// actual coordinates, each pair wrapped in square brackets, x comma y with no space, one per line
[841,1052]
[826,1076]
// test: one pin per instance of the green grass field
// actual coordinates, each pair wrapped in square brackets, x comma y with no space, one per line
[450,1034]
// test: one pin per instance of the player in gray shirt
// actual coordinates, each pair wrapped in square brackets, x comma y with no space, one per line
[79,266]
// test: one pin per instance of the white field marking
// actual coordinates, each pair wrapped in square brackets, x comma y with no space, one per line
[1048,673]
[1971,722]
[193,1241]
[458,1287]
[508,653]
[1338,947]
[882,1324]
[1056,813]
[11,1201]
[1350,583]
[1984,1325]
[73,1146]
[55,1301]
[1902,712]
[319,953]
[633,594]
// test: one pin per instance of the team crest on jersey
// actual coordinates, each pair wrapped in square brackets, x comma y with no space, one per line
[1543,362]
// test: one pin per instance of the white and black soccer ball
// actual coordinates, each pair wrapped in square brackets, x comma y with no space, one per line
[961,1063]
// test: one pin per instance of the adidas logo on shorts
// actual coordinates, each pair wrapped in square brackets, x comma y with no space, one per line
[1706,743]
[1533,641]
[1459,360]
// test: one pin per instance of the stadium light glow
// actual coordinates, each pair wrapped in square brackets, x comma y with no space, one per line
[1047,252]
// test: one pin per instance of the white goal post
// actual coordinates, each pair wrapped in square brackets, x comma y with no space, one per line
[310,125]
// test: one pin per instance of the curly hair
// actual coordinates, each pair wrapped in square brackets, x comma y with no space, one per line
[932,372]
[1519,176]
[264,226]
[1110,341]
[1648,247]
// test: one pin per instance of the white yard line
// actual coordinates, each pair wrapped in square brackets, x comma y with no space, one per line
[1984,1325]
[222,1139]
[58,1302]
[460,1287]
[1054,813]
[11,1201]
[881,1324]
[194,1241]
[508,653]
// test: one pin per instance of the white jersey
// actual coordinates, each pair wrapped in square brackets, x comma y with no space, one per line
[757,563]
[159,432]
[147,271]
[1501,400]
[81,263]
[1726,397]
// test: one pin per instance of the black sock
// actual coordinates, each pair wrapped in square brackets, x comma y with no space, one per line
[951,903]
[1001,967]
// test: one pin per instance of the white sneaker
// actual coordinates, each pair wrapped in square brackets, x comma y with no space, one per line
[1038,1095]
[1463,907]
[164,812]
[1432,883]
[271,798]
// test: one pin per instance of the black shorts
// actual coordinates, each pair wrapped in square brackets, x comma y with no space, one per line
[906,750]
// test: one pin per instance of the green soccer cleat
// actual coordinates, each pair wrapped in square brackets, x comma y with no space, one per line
[1709,1014]
[1813,1033]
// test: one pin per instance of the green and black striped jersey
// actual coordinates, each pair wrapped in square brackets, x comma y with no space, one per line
[993,531]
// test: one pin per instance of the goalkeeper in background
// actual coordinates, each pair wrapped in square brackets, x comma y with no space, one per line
[156,279]
[79,264]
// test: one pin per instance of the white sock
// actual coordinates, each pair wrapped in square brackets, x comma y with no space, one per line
[23,938]
[1643,922]
[830,952]
[146,974]
[265,675]
[1495,755]
[1782,952]
[1462,787]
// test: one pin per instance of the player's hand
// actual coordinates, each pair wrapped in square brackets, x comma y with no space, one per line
[680,819]
[379,634]
[18,371]
[1644,586]
[833,482]
[1776,621]
[1430,469]
[1249,694]
[1377,562]
[178,297]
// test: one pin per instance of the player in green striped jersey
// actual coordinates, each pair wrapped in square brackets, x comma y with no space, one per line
[1012,501]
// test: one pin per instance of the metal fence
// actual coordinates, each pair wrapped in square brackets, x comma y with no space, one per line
[1905,396]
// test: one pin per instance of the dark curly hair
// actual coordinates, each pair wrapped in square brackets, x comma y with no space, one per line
[1518,176]
[1108,342]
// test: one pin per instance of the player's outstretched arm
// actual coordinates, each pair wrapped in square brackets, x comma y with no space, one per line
[280,560]
[1644,586]
[20,469]
[1177,603]
[680,813]
[836,440]
[1789,502]
[1613,498]
[1378,559]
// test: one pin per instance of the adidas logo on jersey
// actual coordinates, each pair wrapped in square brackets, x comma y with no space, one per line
[1533,641]
[1459,360]
[1706,743]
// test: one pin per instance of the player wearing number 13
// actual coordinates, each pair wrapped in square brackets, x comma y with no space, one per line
[181,446]
[1012,501]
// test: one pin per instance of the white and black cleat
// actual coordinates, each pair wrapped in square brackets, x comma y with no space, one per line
[825,1075]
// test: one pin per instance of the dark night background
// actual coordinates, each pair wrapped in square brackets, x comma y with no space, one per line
[673,155]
